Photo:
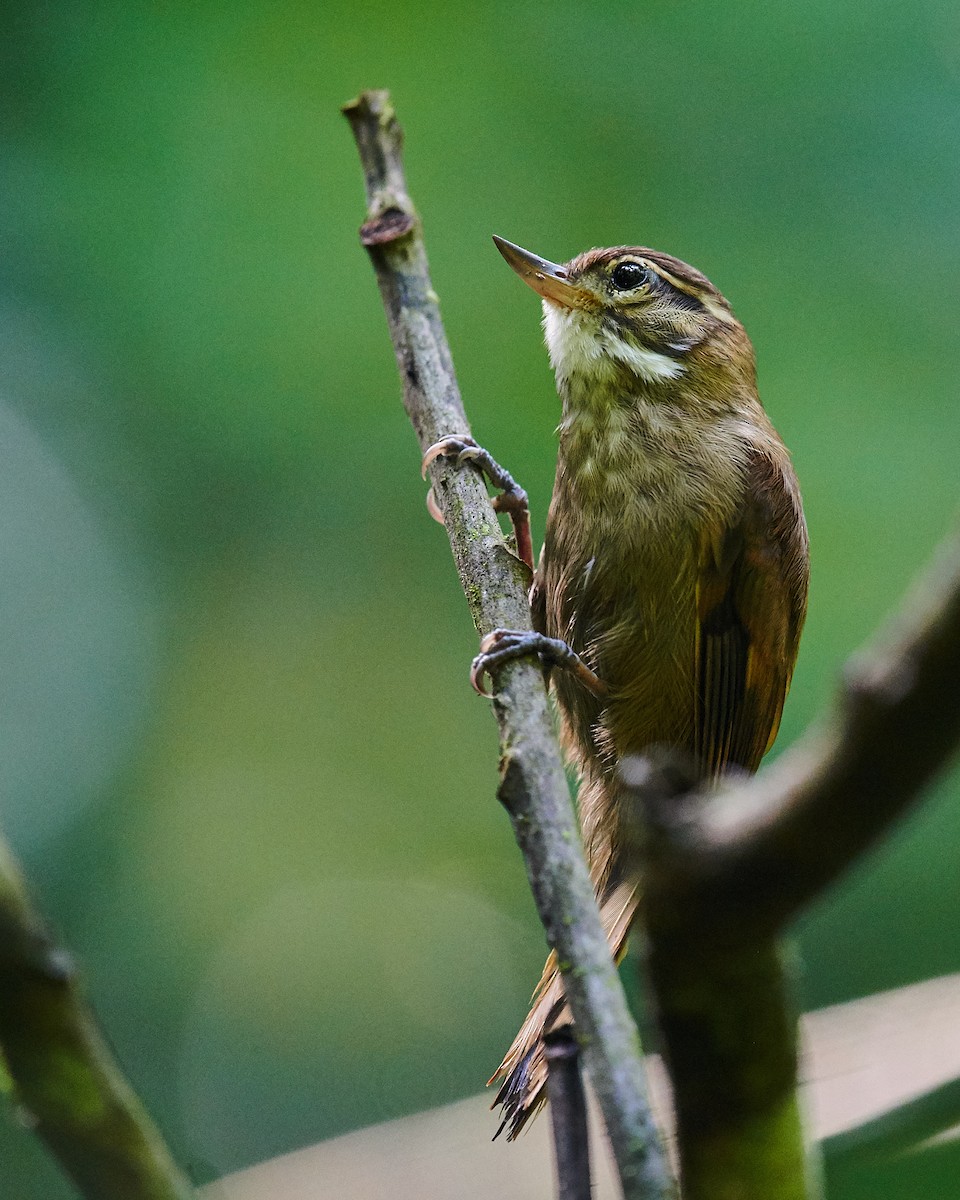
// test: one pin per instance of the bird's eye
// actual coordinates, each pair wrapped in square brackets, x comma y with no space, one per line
[629,275]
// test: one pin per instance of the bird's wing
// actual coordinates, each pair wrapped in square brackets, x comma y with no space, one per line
[751,601]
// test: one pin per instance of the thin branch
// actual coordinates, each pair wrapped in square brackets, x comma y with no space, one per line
[533,786]
[568,1114]
[67,1083]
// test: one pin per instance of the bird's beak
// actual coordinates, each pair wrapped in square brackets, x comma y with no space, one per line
[547,278]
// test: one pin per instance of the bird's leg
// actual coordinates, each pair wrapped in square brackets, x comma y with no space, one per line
[505,645]
[512,499]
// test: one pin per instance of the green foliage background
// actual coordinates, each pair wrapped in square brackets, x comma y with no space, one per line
[240,760]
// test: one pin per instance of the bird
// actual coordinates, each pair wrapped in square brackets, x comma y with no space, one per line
[671,590]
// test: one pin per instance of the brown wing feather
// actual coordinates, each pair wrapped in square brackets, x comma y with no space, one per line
[751,601]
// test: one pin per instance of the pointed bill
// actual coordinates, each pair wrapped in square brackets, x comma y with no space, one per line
[549,279]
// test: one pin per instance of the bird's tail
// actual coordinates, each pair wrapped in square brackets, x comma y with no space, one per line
[523,1073]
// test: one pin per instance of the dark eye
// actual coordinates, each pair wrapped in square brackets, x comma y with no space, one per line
[628,275]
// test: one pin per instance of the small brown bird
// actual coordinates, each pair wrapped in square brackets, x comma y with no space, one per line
[674,566]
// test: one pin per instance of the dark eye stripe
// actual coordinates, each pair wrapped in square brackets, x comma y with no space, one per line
[682,299]
[678,297]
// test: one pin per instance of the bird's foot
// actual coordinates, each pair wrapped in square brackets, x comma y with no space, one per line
[506,645]
[512,499]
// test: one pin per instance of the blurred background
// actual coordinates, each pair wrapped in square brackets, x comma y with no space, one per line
[240,762]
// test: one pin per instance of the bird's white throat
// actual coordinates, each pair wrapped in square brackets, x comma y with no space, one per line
[579,345]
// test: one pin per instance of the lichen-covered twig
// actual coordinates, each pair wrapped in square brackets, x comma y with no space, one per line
[66,1081]
[533,787]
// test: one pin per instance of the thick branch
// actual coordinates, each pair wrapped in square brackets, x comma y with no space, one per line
[754,854]
[533,787]
[729,1038]
[725,872]
[67,1082]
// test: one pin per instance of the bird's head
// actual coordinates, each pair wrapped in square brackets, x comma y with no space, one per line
[629,313]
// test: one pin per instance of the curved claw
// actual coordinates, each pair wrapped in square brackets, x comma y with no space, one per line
[458,444]
[478,668]
[482,663]
[499,646]
[494,638]
[506,645]
[433,508]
